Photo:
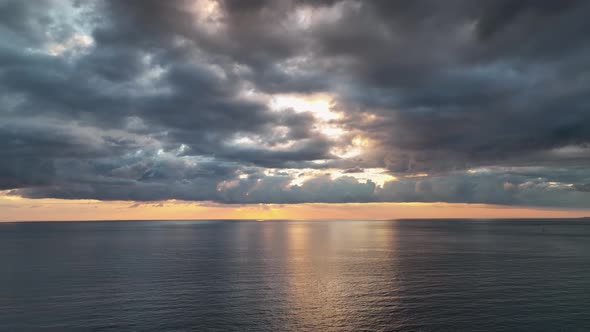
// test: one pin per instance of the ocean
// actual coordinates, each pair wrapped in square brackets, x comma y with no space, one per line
[400,275]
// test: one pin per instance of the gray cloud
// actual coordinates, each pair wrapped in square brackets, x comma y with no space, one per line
[152,100]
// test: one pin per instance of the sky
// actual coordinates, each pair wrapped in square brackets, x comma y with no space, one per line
[294,109]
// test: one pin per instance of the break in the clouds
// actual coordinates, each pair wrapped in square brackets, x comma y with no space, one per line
[297,101]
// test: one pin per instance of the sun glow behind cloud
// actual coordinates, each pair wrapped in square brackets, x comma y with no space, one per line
[319,105]
[75,42]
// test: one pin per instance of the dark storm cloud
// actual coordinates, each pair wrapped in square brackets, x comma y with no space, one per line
[151,100]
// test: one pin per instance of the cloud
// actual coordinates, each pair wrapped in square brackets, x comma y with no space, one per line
[458,101]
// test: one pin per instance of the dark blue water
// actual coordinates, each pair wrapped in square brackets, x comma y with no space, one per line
[438,275]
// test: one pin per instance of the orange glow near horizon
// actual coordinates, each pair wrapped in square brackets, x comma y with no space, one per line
[23,209]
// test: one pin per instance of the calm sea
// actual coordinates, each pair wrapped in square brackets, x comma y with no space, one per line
[406,275]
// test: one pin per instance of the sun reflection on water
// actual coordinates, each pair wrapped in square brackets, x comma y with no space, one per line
[324,292]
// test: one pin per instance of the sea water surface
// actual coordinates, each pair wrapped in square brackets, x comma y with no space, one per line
[405,275]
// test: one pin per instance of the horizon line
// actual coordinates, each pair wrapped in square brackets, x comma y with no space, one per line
[295,219]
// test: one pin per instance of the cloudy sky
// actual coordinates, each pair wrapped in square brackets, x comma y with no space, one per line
[231,105]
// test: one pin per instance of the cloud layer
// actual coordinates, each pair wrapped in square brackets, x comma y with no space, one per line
[297,101]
